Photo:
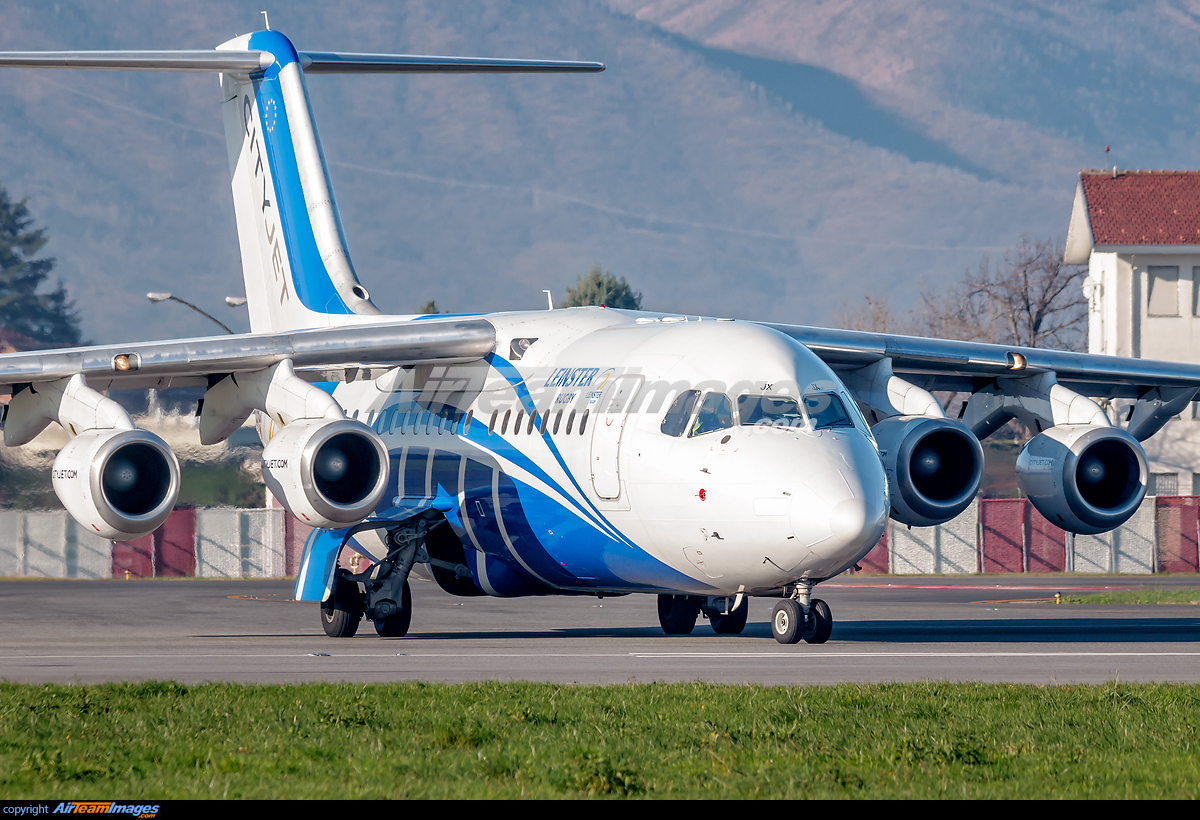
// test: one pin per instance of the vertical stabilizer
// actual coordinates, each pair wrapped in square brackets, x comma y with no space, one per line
[297,269]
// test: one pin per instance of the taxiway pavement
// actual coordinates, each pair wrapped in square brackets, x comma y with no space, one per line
[976,628]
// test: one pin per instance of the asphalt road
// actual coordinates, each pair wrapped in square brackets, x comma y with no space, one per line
[975,628]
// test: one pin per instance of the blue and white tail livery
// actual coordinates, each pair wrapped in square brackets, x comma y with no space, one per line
[294,258]
[584,451]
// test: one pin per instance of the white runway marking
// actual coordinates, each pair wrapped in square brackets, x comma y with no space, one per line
[782,654]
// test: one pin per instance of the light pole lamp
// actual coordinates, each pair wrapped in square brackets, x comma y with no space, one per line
[162,297]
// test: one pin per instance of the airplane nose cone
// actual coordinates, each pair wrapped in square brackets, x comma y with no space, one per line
[849,520]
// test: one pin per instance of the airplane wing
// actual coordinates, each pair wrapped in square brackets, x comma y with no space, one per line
[943,364]
[190,362]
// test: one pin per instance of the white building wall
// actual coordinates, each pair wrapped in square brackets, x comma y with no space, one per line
[1118,290]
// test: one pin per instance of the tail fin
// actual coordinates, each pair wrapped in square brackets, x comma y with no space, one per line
[294,259]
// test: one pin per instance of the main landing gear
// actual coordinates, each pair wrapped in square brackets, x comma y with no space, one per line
[677,614]
[802,616]
[387,600]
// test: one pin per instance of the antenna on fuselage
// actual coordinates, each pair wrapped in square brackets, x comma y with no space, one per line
[549,300]
[266,22]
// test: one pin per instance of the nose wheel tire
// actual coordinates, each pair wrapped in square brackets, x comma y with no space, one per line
[341,614]
[787,622]
[820,622]
[731,623]
[396,626]
[677,614]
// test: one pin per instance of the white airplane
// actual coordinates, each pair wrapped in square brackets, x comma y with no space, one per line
[583,451]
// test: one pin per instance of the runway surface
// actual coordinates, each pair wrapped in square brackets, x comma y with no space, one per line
[897,629]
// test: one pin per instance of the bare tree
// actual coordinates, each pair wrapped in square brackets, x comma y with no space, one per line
[872,315]
[1030,299]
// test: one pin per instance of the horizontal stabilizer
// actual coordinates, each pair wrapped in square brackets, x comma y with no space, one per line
[198,60]
[313,62]
[333,62]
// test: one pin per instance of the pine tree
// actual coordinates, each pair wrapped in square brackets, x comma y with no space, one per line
[600,287]
[46,317]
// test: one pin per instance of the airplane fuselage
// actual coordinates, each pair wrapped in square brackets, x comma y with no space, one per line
[607,451]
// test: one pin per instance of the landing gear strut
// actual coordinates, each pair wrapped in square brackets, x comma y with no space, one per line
[802,616]
[388,598]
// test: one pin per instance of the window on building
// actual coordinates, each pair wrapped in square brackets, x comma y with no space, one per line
[1196,291]
[1195,483]
[1164,484]
[1163,297]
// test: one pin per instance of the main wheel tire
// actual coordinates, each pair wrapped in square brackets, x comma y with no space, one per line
[820,622]
[787,622]
[341,614]
[397,625]
[677,614]
[732,623]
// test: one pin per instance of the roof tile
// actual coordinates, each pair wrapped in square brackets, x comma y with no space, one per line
[1143,207]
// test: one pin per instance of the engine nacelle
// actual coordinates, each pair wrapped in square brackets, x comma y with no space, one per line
[328,473]
[933,465]
[1085,478]
[120,484]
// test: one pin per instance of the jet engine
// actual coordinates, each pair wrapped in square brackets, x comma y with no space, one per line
[120,484]
[1084,478]
[933,465]
[328,473]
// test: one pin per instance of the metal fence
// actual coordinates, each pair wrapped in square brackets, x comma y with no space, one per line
[995,535]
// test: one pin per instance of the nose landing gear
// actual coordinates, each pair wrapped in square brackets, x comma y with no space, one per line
[802,616]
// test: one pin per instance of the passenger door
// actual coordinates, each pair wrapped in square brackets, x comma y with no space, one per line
[606,435]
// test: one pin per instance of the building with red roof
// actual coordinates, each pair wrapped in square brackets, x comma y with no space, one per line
[1139,234]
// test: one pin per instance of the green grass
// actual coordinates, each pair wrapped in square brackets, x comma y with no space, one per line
[165,740]
[1137,596]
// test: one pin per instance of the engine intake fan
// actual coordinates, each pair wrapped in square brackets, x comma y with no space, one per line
[328,473]
[120,484]
[1085,478]
[933,465]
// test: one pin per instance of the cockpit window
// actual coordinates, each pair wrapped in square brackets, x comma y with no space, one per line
[826,411]
[716,413]
[677,417]
[777,411]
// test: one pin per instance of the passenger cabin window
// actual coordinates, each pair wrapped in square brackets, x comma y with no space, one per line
[504,424]
[583,421]
[826,411]
[570,421]
[517,423]
[716,413]
[777,411]
[675,422]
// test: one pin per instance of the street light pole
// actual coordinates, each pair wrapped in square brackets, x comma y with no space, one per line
[162,297]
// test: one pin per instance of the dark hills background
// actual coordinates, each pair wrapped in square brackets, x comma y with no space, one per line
[765,159]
